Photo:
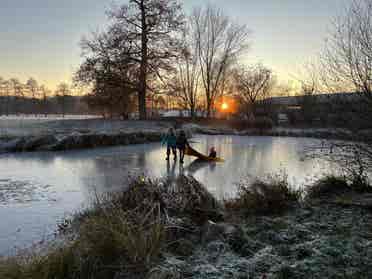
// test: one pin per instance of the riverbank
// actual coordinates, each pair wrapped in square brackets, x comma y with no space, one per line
[318,133]
[161,230]
[78,141]
[58,135]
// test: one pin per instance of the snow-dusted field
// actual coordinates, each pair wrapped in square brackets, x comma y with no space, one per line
[48,117]
[37,133]
[15,126]
[23,125]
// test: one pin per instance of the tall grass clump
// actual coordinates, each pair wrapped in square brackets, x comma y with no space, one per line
[118,236]
[264,197]
[58,263]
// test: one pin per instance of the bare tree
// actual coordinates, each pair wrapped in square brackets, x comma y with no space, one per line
[311,85]
[33,88]
[109,72]
[253,84]
[313,80]
[219,41]
[347,63]
[2,93]
[149,27]
[62,93]
[347,59]
[18,93]
[185,83]
[7,91]
[45,93]
[2,96]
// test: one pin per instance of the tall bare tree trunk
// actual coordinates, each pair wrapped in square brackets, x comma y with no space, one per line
[143,68]
[7,102]
[45,104]
[209,108]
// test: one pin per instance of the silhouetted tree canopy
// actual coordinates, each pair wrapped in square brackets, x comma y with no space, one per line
[253,84]
[137,48]
[220,42]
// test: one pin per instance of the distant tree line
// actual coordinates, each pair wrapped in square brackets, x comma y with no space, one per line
[32,98]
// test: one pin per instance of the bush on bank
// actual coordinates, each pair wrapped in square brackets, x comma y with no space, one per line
[264,197]
[336,185]
[257,123]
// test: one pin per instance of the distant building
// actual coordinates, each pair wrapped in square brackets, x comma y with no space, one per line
[174,113]
[326,109]
[318,98]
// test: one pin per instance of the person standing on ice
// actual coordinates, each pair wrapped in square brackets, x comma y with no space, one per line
[170,140]
[182,143]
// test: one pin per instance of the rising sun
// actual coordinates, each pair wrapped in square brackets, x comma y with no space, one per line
[224,106]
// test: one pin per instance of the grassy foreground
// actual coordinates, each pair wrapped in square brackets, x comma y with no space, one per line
[159,229]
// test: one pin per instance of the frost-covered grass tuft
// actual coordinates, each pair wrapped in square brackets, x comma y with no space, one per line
[327,186]
[264,197]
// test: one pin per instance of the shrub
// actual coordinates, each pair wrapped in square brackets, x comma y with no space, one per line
[239,124]
[263,123]
[354,159]
[183,197]
[133,237]
[327,186]
[361,183]
[256,123]
[357,176]
[333,185]
[269,197]
[187,197]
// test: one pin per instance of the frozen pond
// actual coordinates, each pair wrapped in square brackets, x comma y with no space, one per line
[38,189]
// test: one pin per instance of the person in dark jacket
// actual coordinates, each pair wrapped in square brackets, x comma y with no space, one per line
[182,143]
[170,140]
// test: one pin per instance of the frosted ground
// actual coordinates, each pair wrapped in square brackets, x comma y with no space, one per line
[55,133]
[316,241]
[16,126]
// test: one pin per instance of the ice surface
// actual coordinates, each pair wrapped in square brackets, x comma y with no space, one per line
[38,189]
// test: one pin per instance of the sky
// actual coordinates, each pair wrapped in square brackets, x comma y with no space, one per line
[40,38]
